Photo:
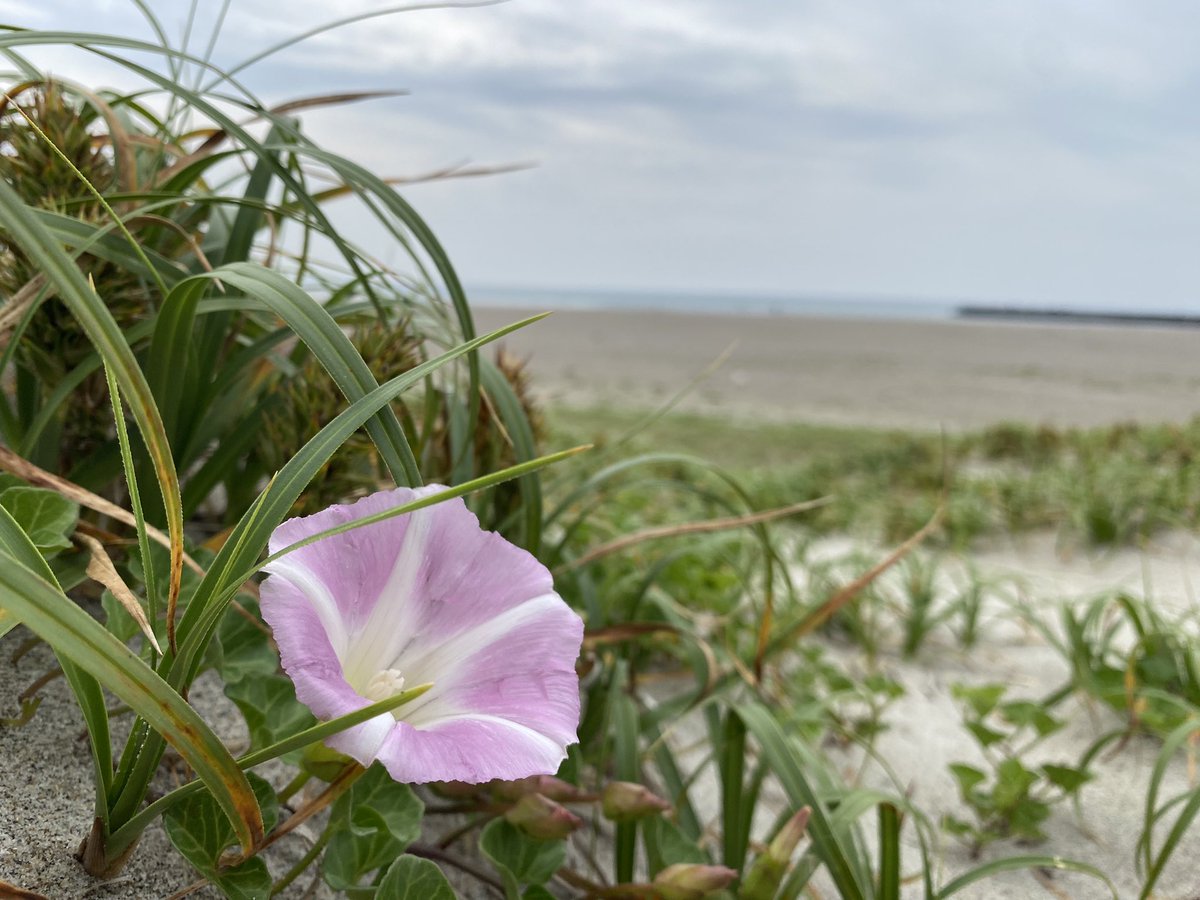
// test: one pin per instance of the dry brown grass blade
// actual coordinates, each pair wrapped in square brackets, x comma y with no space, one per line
[22,468]
[100,568]
[704,527]
[820,615]
[214,138]
[445,173]
[191,239]
[18,305]
[12,892]
[339,99]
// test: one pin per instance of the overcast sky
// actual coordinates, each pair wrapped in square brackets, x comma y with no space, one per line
[1039,151]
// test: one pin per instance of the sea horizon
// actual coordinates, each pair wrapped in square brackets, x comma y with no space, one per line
[823,306]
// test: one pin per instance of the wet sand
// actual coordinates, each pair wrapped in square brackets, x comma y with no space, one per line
[904,374]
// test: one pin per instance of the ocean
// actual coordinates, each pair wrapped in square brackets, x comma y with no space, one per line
[828,306]
[717,304]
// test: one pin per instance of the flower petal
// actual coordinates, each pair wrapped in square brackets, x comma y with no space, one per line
[432,597]
[469,748]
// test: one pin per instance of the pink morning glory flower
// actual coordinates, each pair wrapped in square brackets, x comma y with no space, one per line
[427,597]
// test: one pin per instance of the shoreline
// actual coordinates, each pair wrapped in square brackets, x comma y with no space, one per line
[952,374]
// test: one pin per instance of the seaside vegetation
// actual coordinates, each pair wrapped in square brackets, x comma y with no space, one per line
[1107,486]
[192,353]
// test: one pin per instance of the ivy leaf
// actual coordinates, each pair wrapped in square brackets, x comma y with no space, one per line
[47,517]
[270,708]
[982,699]
[1013,782]
[520,858]
[1066,778]
[968,778]
[413,878]
[957,827]
[986,736]
[246,651]
[200,831]
[1024,712]
[370,826]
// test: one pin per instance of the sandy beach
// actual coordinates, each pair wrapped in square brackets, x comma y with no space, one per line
[903,374]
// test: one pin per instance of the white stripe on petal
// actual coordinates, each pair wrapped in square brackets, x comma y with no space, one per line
[441,665]
[364,741]
[322,601]
[390,624]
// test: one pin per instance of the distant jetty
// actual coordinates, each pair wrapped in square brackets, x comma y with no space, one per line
[1076,316]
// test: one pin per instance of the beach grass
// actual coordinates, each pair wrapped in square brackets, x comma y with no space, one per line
[1113,485]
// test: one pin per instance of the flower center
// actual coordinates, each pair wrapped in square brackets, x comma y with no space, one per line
[384,684]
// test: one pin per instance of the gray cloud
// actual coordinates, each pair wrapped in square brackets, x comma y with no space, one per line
[1037,149]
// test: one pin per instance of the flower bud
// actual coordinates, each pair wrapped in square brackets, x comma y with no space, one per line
[456,790]
[624,801]
[685,881]
[763,880]
[546,785]
[542,818]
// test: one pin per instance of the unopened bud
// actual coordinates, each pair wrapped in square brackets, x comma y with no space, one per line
[546,785]
[624,801]
[456,790]
[542,818]
[684,881]
[763,880]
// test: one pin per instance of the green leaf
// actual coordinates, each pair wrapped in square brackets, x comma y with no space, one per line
[981,699]
[525,859]
[202,833]
[968,778]
[1032,715]
[1066,778]
[1013,782]
[413,878]
[986,736]
[47,517]
[246,650]
[269,705]
[957,826]
[371,825]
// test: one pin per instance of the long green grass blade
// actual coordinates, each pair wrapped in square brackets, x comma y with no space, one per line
[17,545]
[889,852]
[831,847]
[80,638]
[324,337]
[1016,863]
[27,232]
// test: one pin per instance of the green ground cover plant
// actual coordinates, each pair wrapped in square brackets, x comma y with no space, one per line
[1099,487]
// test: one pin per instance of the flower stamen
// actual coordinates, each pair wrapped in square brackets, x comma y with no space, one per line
[384,684]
